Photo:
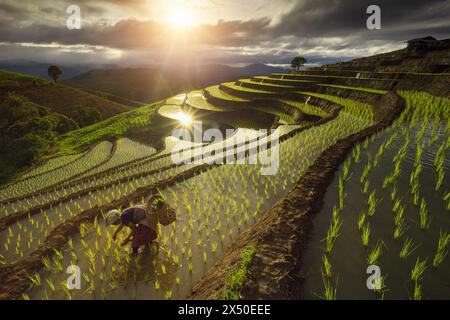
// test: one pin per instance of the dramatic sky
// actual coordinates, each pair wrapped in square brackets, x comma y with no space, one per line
[137,32]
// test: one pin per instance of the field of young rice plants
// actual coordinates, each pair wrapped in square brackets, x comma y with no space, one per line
[208,219]
[388,207]
[96,156]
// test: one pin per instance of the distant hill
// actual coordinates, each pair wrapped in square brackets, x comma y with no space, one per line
[39,69]
[58,97]
[152,84]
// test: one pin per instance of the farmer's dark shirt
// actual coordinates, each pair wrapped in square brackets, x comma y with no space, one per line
[133,215]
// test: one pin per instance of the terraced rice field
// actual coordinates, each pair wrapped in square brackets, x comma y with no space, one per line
[216,202]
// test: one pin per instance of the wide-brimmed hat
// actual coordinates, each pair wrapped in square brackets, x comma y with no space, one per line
[112,217]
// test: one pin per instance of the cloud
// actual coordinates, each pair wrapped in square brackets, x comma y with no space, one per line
[318,29]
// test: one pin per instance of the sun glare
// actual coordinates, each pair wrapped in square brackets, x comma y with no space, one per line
[181,19]
[184,118]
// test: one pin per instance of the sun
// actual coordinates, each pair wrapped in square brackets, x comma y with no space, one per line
[184,118]
[181,18]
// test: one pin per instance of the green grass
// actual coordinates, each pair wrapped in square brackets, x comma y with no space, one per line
[217,93]
[196,100]
[13,79]
[115,126]
[265,84]
[287,80]
[307,108]
[328,76]
[238,276]
[276,112]
[233,86]
[370,90]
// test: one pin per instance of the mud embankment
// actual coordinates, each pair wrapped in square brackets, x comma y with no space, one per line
[280,235]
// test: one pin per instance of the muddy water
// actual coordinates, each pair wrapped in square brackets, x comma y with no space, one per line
[348,257]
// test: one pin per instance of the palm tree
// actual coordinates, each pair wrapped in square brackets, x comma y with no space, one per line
[298,62]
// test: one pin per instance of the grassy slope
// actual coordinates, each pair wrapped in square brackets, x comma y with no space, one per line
[59,98]
[112,127]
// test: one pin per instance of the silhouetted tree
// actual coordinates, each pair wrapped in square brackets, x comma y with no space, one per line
[298,62]
[54,72]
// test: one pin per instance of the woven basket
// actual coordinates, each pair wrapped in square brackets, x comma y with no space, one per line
[166,215]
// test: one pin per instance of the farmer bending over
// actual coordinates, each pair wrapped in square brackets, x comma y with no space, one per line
[142,220]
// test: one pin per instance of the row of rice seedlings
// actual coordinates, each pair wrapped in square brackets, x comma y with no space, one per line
[439,164]
[441,250]
[97,155]
[416,276]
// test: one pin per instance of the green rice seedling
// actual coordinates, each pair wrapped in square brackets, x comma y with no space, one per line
[441,250]
[25,296]
[400,227]
[380,287]
[341,192]
[424,219]
[361,220]
[417,291]
[46,262]
[330,291]
[333,230]
[373,203]
[327,266]
[394,192]
[357,154]
[375,253]
[407,248]
[446,198]
[36,280]
[51,285]
[418,270]
[346,170]
[365,236]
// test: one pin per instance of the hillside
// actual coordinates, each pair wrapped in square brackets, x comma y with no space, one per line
[152,84]
[34,112]
[58,97]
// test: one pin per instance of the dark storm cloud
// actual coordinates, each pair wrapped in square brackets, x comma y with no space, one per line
[340,17]
[134,34]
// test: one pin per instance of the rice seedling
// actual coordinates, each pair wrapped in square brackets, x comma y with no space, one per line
[361,220]
[326,266]
[441,250]
[407,248]
[424,219]
[375,253]
[330,291]
[365,235]
[417,295]
[333,230]
[400,226]
[418,270]
[373,203]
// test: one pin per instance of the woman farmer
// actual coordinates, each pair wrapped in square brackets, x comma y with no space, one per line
[142,220]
